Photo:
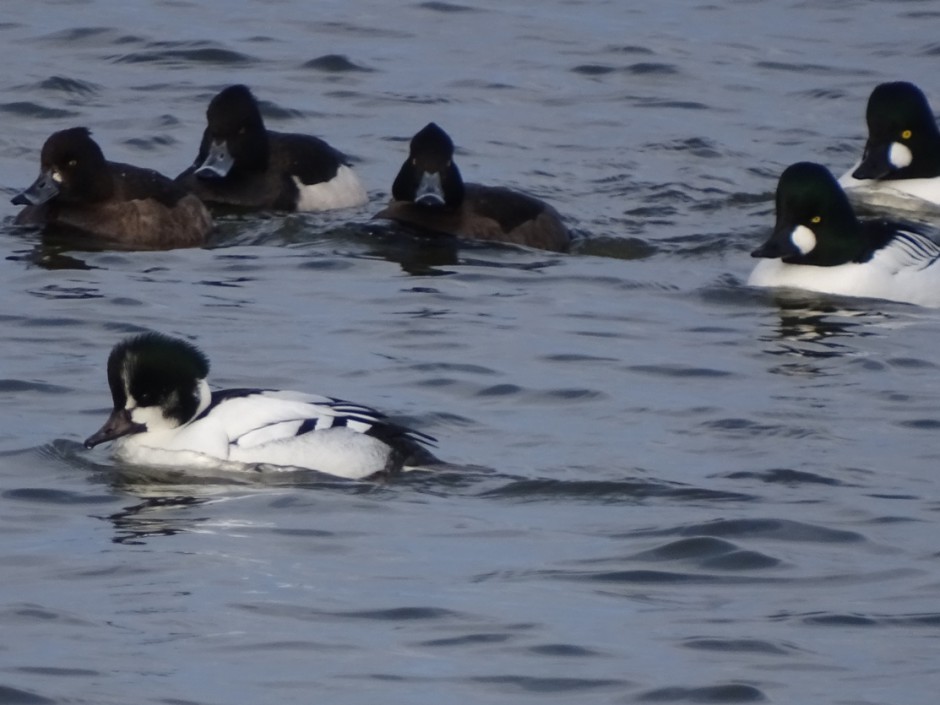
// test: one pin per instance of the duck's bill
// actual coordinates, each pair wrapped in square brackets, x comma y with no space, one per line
[876,163]
[430,191]
[42,190]
[217,164]
[119,424]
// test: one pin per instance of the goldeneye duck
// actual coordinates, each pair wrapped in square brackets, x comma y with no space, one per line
[819,244]
[902,154]
[165,414]
[119,205]
[244,166]
[430,194]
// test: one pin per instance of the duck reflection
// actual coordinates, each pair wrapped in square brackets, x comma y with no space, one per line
[154,517]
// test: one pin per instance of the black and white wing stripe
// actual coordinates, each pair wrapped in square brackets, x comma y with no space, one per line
[913,250]
[253,417]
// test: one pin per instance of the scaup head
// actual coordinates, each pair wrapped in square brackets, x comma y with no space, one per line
[72,169]
[235,139]
[815,223]
[903,140]
[429,177]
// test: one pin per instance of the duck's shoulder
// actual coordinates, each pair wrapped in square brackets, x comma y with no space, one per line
[133,183]
[306,157]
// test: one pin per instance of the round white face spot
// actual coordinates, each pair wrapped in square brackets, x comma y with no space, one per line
[803,239]
[57,176]
[899,155]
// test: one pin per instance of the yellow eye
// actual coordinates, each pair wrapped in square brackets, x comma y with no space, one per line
[815,219]
[906,135]
[73,163]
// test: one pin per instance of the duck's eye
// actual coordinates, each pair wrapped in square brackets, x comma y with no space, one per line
[815,219]
[73,163]
[906,135]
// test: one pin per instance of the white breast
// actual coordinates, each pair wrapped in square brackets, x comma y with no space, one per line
[904,271]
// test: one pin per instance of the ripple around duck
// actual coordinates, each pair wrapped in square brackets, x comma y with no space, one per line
[606,491]
[530,684]
[395,614]
[448,7]
[710,554]
[785,476]
[184,54]
[739,646]
[29,109]
[928,620]
[777,529]
[71,86]
[13,386]
[335,63]
[90,36]
[729,693]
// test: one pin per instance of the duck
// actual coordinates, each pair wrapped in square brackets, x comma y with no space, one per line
[429,194]
[165,414]
[900,166]
[243,166]
[819,244]
[82,195]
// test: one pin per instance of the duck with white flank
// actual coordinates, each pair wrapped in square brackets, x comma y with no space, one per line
[165,414]
[900,166]
[819,244]
[244,166]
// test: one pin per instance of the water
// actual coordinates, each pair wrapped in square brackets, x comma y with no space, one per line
[666,487]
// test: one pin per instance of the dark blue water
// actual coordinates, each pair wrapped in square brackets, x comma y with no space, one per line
[666,487]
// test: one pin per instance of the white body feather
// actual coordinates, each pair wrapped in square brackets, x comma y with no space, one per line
[261,428]
[906,270]
[342,191]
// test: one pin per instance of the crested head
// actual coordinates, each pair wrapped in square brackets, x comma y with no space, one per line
[235,122]
[236,101]
[76,164]
[429,177]
[431,139]
[152,370]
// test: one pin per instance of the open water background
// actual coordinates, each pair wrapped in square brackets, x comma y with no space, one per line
[667,487]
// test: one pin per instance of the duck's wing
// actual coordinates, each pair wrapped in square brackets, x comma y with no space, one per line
[910,250]
[253,417]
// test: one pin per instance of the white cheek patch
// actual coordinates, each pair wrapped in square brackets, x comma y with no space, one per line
[151,417]
[803,239]
[57,176]
[899,156]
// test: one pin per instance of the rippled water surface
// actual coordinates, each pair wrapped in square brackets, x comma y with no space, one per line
[664,486]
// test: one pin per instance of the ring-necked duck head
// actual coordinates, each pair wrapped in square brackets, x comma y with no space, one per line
[429,177]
